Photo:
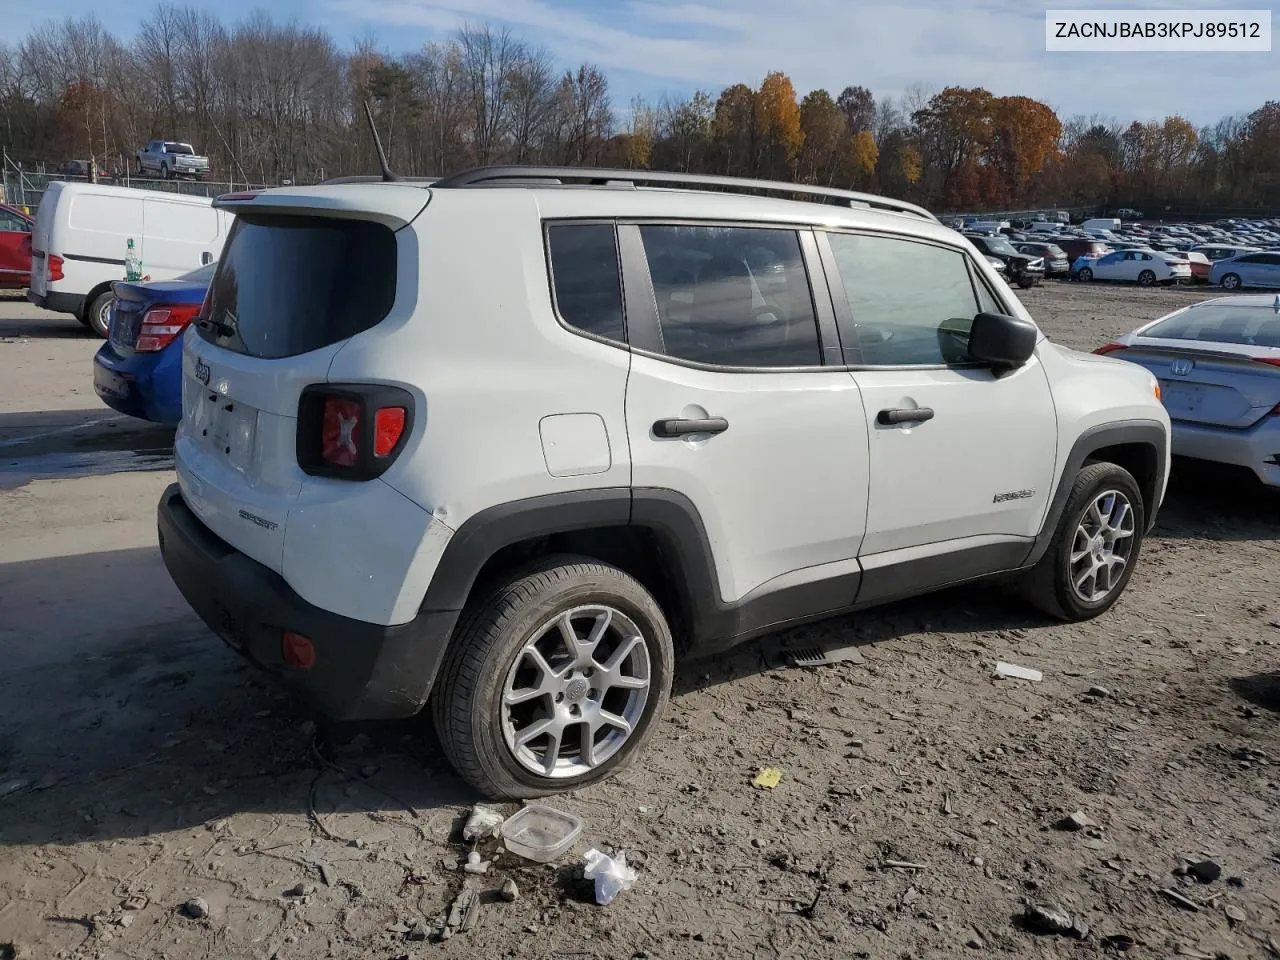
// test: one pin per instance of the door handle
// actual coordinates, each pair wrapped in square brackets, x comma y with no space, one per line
[675,427]
[887,418]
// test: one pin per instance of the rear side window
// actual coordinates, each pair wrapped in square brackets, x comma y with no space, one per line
[585,277]
[290,284]
[732,296]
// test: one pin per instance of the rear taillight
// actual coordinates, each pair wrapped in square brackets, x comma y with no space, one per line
[352,431]
[55,267]
[1274,361]
[161,325]
[1106,348]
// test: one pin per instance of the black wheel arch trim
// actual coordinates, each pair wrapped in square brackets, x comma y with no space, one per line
[683,545]
[1150,433]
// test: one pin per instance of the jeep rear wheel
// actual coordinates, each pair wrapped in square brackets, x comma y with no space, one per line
[1094,548]
[555,681]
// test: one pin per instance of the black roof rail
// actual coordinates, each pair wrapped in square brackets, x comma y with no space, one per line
[376,178]
[515,174]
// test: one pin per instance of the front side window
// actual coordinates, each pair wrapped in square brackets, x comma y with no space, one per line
[585,277]
[732,296]
[912,303]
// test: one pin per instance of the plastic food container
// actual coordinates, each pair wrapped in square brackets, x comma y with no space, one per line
[539,833]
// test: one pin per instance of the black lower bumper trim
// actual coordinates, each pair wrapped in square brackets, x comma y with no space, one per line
[363,671]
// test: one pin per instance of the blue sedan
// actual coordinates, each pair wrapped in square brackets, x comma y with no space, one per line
[138,370]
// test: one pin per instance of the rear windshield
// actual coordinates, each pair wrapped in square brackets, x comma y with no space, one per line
[290,284]
[1257,326]
[182,148]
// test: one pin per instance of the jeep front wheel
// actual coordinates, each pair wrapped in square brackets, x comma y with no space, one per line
[555,681]
[1094,548]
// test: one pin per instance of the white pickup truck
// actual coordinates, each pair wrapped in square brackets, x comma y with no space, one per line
[171,158]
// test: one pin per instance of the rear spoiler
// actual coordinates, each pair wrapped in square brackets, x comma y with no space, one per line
[392,204]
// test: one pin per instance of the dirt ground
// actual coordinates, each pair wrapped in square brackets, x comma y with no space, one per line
[142,765]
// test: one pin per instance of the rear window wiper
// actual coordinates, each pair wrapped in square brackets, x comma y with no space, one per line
[217,326]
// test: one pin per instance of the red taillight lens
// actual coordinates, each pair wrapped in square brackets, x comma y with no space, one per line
[1274,361]
[340,432]
[388,425]
[55,267]
[161,325]
[352,431]
[1106,348]
[297,651]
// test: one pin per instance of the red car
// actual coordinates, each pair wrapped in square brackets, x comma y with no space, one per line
[15,248]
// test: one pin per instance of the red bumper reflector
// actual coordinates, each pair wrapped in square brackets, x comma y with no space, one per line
[297,650]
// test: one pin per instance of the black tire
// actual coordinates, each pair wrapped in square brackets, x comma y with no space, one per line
[97,314]
[1147,278]
[1231,281]
[1026,283]
[164,171]
[467,701]
[140,170]
[1085,274]
[1048,585]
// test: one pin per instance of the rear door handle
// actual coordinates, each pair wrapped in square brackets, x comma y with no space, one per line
[682,428]
[887,418]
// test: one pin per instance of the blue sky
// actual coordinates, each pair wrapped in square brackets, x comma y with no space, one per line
[652,47]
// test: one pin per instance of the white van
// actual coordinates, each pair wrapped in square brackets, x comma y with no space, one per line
[989,227]
[82,232]
[1045,226]
[1101,223]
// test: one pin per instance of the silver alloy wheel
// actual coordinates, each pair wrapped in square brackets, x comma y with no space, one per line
[1230,281]
[1102,546]
[1146,278]
[576,691]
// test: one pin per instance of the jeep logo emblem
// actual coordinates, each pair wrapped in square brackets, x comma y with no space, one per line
[202,372]
[1182,366]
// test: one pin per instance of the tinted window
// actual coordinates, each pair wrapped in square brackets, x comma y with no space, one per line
[179,148]
[733,296]
[911,302]
[1253,258]
[290,284]
[201,274]
[584,275]
[1259,326]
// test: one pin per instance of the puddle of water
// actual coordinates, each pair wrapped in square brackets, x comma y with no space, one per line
[90,451]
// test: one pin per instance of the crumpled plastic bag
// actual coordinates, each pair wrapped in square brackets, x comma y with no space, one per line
[611,874]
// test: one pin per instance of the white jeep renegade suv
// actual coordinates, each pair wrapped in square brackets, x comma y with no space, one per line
[517,440]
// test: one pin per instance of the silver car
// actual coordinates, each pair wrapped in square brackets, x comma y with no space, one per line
[1218,363]
[1250,270]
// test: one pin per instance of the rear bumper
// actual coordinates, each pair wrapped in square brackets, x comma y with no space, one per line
[362,671]
[148,386]
[1257,448]
[72,303]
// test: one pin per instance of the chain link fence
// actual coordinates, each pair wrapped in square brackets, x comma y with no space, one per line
[24,189]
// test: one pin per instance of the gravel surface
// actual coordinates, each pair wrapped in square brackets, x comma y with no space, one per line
[159,799]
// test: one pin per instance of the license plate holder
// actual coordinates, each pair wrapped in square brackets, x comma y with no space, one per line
[1182,397]
[224,426]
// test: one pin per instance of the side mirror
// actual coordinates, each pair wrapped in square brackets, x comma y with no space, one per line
[1001,340]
